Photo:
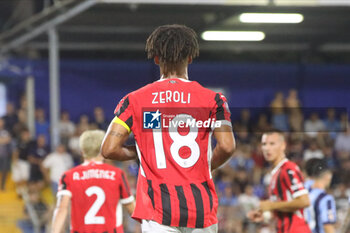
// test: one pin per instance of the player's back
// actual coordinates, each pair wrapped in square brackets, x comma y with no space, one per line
[321,211]
[95,190]
[172,121]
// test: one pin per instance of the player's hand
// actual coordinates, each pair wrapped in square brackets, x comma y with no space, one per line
[255,216]
[266,205]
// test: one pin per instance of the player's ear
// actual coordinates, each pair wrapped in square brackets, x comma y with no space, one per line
[189,60]
[156,60]
[284,145]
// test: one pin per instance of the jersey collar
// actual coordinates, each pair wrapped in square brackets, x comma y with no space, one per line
[279,165]
[181,79]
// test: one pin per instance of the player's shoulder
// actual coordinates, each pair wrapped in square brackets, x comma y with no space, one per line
[290,165]
[328,198]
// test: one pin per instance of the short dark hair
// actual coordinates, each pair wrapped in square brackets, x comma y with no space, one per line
[277,131]
[316,167]
[172,43]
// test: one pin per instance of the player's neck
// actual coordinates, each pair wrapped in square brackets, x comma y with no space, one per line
[278,160]
[319,184]
[178,72]
[183,76]
[94,159]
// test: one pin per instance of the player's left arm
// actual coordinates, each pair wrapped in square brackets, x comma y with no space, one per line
[113,144]
[300,202]
[295,185]
[226,144]
[126,197]
[130,207]
[329,228]
[118,133]
[60,213]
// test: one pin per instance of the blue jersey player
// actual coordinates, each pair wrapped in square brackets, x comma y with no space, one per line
[321,214]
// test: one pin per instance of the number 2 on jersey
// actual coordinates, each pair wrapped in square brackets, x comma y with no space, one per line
[90,216]
[179,141]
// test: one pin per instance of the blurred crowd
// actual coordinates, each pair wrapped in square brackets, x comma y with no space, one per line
[240,183]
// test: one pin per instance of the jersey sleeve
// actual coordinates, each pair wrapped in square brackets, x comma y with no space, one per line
[125,194]
[124,114]
[221,111]
[295,182]
[328,210]
[64,187]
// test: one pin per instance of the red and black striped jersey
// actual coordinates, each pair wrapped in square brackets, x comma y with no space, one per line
[173,121]
[286,184]
[96,190]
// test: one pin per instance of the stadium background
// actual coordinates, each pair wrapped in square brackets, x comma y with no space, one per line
[101,58]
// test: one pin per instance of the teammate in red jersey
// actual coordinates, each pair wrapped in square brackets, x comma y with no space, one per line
[173,120]
[94,190]
[288,197]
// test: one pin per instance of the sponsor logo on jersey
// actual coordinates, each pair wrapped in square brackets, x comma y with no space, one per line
[157,120]
[151,120]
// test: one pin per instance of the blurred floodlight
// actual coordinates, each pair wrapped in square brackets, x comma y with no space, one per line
[233,35]
[192,2]
[271,18]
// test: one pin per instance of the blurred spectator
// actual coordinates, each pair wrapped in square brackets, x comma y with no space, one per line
[245,120]
[242,159]
[241,179]
[66,127]
[259,162]
[342,143]
[229,220]
[99,119]
[41,212]
[313,125]
[296,151]
[333,163]
[20,164]
[5,153]
[279,118]
[247,202]
[331,123]
[344,121]
[83,123]
[242,135]
[42,126]
[10,118]
[228,198]
[74,147]
[296,120]
[292,100]
[21,124]
[222,179]
[277,104]
[35,158]
[313,151]
[262,124]
[55,164]
[23,103]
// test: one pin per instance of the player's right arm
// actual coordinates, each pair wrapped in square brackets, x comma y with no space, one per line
[60,214]
[225,146]
[130,207]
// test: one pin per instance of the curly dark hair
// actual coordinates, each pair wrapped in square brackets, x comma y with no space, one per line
[172,44]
